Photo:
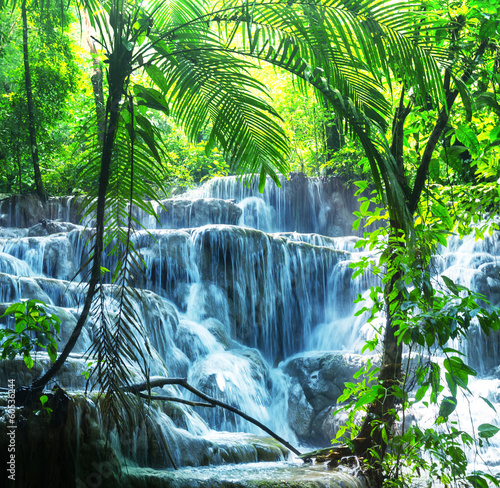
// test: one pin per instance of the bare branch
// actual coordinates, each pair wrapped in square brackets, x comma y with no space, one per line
[157,381]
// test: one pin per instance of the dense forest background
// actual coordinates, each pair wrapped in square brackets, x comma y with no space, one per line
[64,59]
[62,65]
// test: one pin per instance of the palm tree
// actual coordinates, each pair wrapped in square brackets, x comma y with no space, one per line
[197,57]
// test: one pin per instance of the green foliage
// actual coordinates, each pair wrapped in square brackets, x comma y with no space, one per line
[437,174]
[45,408]
[189,163]
[428,314]
[33,327]
[55,76]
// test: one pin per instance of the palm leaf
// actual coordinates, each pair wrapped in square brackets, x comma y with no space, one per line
[209,87]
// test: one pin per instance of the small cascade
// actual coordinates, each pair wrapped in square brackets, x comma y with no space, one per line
[306,205]
[247,295]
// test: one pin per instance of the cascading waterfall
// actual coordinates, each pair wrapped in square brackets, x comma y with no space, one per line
[249,296]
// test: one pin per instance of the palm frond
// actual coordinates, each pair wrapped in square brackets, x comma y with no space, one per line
[136,174]
[208,85]
[375,39]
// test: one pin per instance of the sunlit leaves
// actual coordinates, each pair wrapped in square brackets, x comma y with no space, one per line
[33,326]
[468,138]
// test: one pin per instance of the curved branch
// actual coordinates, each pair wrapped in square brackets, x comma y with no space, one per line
[175,399]
[439,127]
[160,381]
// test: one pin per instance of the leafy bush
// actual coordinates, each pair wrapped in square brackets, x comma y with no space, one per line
[33,327]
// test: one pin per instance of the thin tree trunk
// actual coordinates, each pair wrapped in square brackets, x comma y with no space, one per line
[40,190]
[334,138]
[96,79]
[112,117]
[371,441]
[118,72]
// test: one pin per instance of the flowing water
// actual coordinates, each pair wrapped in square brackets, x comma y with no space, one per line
[250,297]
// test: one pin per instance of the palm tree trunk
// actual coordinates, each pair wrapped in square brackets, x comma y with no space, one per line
[40,190]
[112,117]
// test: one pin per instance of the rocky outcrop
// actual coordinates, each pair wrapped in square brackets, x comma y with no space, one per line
[69,446]
[25,211]
[303,204]
[48,227]
[28,210]
[277,476]
[317,381]
[181,213]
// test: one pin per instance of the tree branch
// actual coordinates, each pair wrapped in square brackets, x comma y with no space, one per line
[157,381]
[175,399]
[441,122]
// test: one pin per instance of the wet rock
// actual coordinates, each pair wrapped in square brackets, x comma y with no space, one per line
[246,476]
[48,227]
[303,204]
[195,340]
[28,210]
[322,375]
[300,412]
[69,376]
[169,259]
[233,378]
[13,233]
[178,213]
[317,382]
[496,372]
[78,440]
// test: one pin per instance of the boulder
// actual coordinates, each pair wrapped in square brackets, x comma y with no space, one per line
[48,227]
[317,381]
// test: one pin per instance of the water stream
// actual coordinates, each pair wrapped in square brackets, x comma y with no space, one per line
[250,297]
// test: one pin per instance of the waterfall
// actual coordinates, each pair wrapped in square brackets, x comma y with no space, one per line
[249,296]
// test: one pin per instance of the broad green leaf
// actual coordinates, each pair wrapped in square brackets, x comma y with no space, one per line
[364,207]
[447,407]
[21,324]
[434,169]
[477,481]
[151,98]
[52,352]
[488,28]
[487,430]
[466,97]
[366,398]
[494,133]
[452,384]
[421,392]
[468,138]
[28,360]
[450,284]
[457,367]
[15,307]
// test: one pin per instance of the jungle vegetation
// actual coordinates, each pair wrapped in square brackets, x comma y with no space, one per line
[127,101]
